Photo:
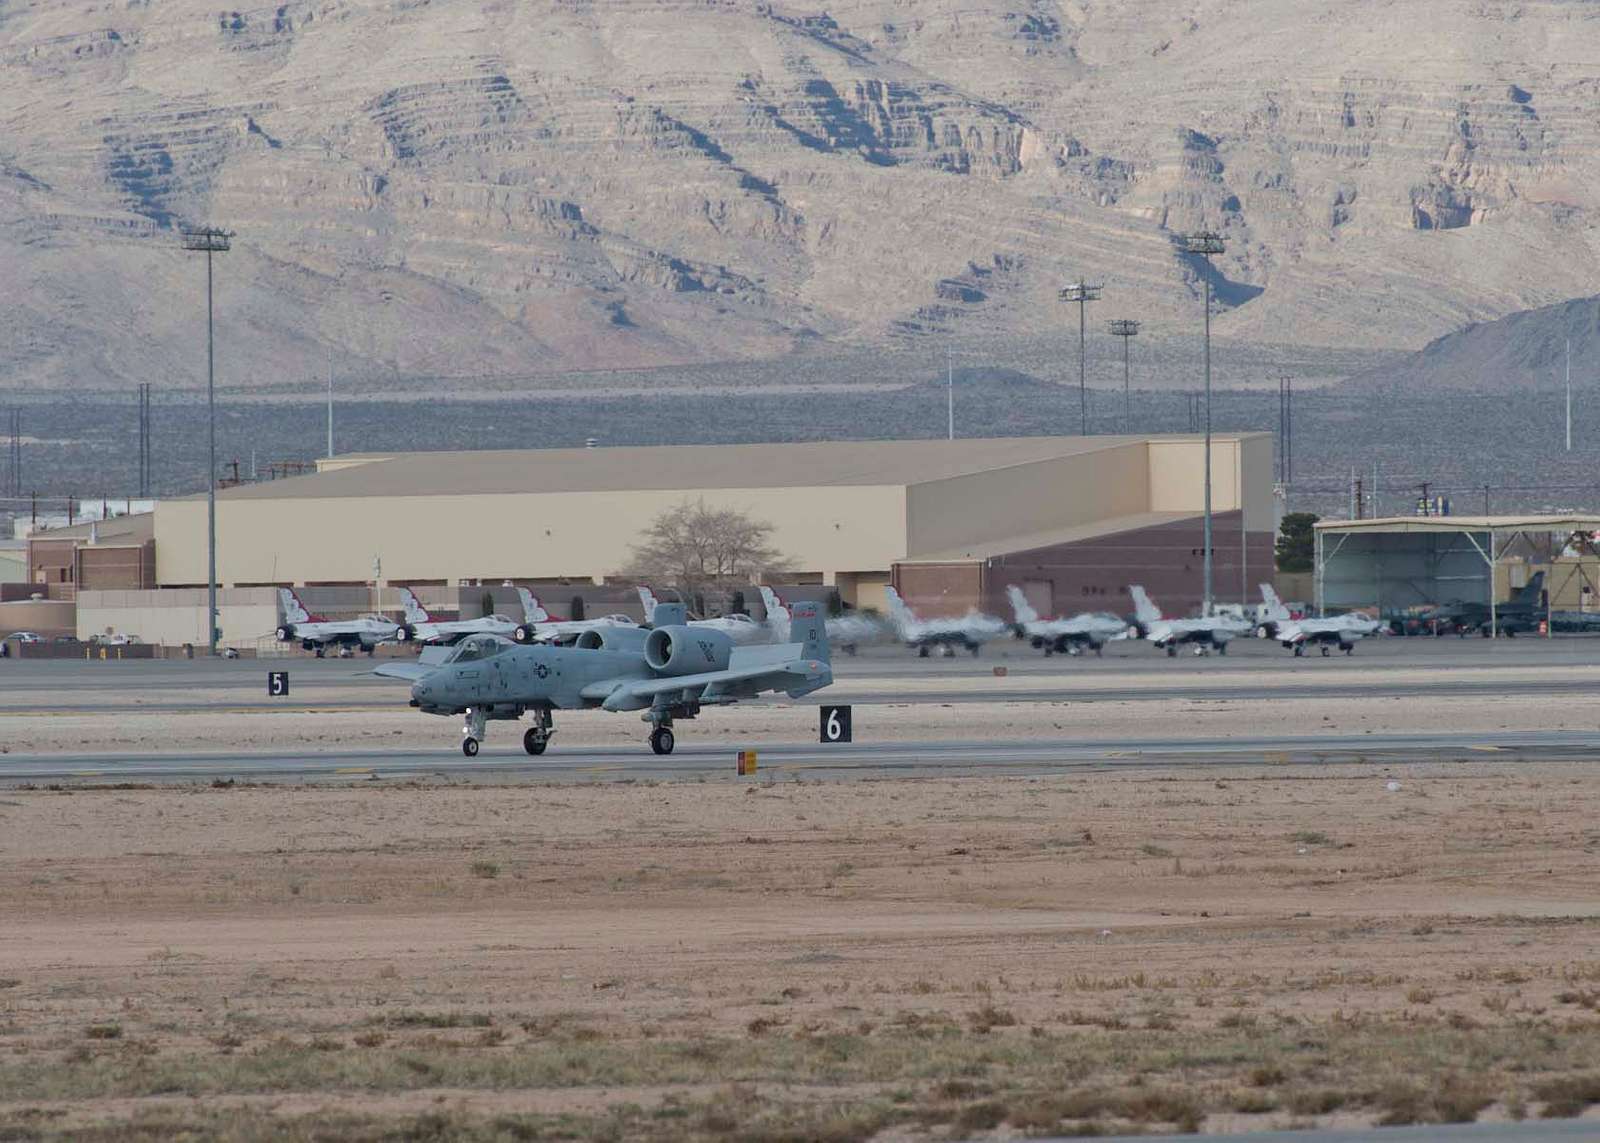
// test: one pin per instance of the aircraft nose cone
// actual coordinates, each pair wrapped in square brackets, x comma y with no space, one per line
[420,690]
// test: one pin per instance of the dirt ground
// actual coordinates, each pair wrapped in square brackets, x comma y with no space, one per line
[1194,948]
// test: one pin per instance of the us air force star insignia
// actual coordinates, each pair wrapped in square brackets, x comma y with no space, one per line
[542,671]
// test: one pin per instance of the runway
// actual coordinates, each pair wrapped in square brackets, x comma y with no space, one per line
[504,760]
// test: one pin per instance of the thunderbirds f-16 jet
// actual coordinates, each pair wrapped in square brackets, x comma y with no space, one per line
[846,632]
[1069,636]
[970,631]
[1206,633]
[1343,631]
[421,627]
[669,673]
[315,633]
[739,627]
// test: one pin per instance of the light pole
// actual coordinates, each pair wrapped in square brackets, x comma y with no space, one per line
[1127,330]
[209,240]
[1082,293]
[1203,244]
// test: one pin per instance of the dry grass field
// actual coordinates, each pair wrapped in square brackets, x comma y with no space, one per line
[1193,948]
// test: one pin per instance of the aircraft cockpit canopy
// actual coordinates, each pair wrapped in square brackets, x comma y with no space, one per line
[481,647]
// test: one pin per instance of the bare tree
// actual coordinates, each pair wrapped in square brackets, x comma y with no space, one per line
[694,548]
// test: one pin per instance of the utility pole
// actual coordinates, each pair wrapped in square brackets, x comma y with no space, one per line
[144,440]
[1082,293]
[1569,394]
[1127,330]
[210,241]
[14,458]
[1203,245]
[949,393]
[330,410]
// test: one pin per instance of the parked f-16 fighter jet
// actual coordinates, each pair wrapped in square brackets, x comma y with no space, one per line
[846,632]
[1070,636]
[314,633]
[1345,631]
[739,627]
[669,673]
[1205,633]
[421,627]
[1521,612]
[971,630]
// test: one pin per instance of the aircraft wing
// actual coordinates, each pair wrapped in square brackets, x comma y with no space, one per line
[409,672]
[797,676]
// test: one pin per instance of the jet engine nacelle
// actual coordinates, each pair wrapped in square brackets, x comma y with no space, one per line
[286,633]
[686,650]
[611,639]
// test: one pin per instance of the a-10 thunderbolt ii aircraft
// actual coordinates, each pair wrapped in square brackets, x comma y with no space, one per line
[1343,631]
[421,627]
[847,632]
[668,672]
[315,633]
[1206,633]
[970,631]
[1069,636]
[742,629]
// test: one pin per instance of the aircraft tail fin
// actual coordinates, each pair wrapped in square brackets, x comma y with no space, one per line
[1532,592]
[667,614]
[773,603]
[532,610]
[293,610]
[809,627]
[1020,607]
[647,598]
[1275,607]
[1144,608]
[415,612]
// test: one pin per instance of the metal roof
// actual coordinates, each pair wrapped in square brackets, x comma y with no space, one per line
[1463,524]
[669,467]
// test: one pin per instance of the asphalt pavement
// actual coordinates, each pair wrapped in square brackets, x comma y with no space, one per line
[503,759]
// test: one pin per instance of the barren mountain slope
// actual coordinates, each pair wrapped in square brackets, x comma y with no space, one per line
[476,187]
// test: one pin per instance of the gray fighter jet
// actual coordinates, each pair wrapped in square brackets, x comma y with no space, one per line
[669,672]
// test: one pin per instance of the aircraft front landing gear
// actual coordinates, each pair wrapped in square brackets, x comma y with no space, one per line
[472,732]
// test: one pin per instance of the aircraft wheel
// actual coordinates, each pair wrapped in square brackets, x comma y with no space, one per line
[1299,651]
[321,652]
[534,742]
[1048,650]
[1172,650]
[922,652]
[469,747]
[1222,648]
[284,634]
[1326,652]
[661,740]
[372,650]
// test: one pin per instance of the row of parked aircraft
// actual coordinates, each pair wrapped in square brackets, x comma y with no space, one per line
[1072,635]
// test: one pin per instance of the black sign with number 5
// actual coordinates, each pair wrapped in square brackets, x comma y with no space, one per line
[277,683]
[835,724]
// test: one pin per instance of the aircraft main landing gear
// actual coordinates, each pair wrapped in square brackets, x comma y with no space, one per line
[1299,650]
[1172,650]
[538,735]
[661,740]
[1326,651]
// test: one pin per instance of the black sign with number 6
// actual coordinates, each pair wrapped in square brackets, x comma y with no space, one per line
[277,683]
[835,724]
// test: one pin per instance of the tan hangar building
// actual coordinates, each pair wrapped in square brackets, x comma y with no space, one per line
[947,519]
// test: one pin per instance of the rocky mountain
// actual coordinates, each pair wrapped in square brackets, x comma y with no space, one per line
[1521,352]
[520,190]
